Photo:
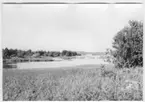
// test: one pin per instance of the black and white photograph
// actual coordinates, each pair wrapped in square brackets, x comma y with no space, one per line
[72,50]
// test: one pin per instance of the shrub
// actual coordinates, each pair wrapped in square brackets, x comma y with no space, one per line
[128,45]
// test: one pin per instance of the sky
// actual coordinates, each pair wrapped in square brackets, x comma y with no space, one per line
[87,27]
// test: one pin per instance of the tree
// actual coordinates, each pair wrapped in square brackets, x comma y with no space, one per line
[20,53]
[41,53]
[28,53]
[64,52]
[128,45]
[57,53]
[6,53]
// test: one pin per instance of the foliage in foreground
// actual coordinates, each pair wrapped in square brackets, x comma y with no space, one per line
[73,84]
[128,45]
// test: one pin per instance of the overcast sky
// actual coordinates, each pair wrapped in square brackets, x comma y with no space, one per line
[88,27]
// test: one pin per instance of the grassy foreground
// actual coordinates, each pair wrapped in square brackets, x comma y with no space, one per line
[78,83]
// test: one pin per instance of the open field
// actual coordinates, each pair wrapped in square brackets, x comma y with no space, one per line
[85,82]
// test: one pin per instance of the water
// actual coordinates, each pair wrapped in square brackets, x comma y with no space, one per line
[56,64]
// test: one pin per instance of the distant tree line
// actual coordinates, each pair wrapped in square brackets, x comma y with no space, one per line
[9,53]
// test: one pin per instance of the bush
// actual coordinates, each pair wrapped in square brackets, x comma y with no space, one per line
[128,45]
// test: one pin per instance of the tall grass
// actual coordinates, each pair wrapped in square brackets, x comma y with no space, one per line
[74,84]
